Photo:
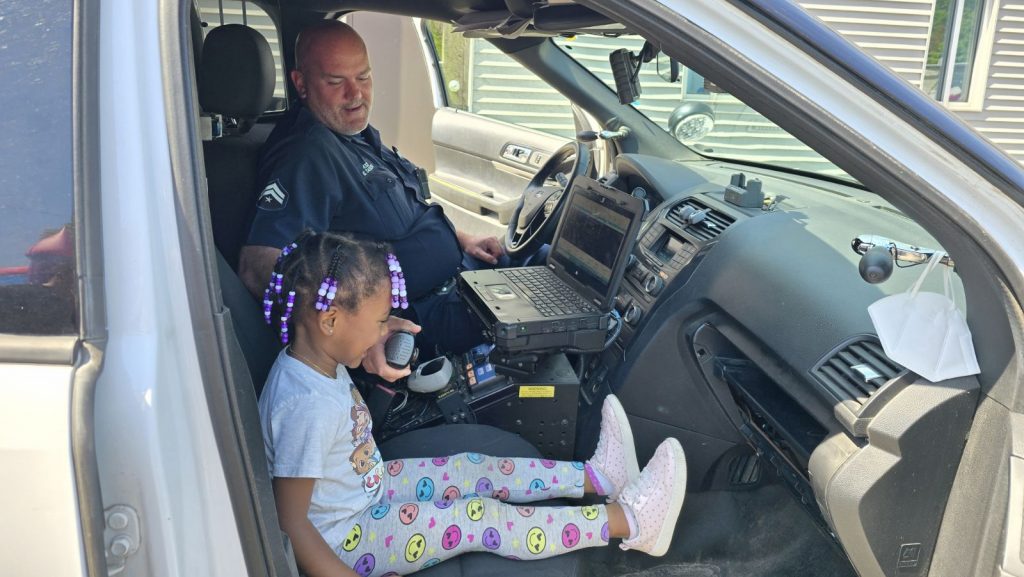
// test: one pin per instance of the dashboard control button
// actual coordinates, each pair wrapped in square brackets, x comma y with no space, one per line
[632,314]
[654,284]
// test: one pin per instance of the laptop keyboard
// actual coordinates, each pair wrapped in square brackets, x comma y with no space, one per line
[549,294]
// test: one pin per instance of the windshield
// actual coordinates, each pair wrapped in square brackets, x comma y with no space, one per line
[697,113]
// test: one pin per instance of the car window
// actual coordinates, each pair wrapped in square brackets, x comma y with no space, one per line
[696,112]
[216,13]
[481,79]
[953,49]
[37,253]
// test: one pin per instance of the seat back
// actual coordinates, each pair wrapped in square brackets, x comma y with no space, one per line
[257,341]
[236,80]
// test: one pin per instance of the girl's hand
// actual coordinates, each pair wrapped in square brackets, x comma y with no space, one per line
[376,364]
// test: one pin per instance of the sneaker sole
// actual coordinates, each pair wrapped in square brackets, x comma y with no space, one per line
[675,505]
[632,466]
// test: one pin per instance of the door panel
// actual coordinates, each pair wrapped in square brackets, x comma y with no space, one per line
[39,499]
[483,165]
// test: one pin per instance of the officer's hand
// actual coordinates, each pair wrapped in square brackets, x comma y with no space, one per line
[485,248]
[375,362]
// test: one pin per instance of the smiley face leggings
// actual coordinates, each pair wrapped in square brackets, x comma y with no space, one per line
[434,509]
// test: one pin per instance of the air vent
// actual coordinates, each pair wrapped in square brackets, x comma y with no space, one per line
[857,370]
[706,230]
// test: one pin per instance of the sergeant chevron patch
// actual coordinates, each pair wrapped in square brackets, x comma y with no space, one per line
[273,197]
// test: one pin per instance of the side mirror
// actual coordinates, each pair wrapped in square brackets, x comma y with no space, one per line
[691,121]
[667,67]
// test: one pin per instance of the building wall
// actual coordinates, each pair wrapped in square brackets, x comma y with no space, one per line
[1001,119]
[896,33]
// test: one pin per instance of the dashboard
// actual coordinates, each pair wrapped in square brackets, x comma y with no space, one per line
[745,335]
[745,331]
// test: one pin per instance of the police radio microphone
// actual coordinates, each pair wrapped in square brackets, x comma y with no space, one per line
[400,350]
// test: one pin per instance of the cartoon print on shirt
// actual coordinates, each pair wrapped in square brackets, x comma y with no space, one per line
[361,418]
[365,459]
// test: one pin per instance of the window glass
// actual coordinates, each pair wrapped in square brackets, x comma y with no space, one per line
[481,79]
[696,112]
[952,48]
[37,258]
[219,12]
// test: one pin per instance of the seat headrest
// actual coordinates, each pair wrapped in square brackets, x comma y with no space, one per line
[236,73]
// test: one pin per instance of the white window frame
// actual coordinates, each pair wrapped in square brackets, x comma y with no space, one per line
[978,82]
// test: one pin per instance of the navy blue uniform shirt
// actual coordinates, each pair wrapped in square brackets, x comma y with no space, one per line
[314,178]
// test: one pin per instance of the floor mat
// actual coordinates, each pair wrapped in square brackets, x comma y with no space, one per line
[760,533]
[684,570]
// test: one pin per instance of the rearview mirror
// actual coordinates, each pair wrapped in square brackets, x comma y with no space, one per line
[667,67]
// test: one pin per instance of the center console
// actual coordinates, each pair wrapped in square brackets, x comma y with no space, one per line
[664,251]
[539,404]
[534,393]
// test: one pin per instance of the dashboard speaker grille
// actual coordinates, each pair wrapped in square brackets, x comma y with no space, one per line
[857,370]
[706,230]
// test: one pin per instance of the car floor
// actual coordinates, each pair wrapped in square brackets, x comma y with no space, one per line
[754,533]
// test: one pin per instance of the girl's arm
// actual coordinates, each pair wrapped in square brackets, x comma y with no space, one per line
[314,556]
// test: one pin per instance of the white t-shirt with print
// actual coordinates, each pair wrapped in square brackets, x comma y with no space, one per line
[319,428]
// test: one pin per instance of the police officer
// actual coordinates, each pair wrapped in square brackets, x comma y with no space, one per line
[325,168]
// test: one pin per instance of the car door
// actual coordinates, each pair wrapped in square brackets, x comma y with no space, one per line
[49,329]
[498,124]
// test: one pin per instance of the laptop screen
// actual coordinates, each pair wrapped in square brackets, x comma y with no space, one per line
[595,236]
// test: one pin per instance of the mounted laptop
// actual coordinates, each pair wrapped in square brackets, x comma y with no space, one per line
[564,304]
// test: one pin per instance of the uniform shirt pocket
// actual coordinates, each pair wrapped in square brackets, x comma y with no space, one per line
[391,200]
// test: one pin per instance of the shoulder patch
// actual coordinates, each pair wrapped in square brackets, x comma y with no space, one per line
[273,197]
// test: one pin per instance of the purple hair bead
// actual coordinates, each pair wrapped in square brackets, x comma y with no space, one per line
[289,307]
[286,251]
[272,294]
[326,293]
[267,305]
[399,295]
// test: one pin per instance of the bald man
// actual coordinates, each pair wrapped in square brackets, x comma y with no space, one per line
[325,168]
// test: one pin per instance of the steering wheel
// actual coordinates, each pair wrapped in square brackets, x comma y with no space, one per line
[536,216]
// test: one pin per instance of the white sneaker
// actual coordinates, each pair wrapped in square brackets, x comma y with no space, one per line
[615,457]
[655,499]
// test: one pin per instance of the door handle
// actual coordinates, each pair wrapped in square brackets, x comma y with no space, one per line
[516,153]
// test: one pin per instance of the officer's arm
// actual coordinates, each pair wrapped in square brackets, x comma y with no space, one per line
[302,191]
[485,248]
[255,264]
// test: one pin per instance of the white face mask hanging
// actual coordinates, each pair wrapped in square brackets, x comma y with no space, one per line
[924,331]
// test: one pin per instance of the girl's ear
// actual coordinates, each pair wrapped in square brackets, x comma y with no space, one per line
[327,319]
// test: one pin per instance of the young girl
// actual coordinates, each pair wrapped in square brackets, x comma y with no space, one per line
[348,512]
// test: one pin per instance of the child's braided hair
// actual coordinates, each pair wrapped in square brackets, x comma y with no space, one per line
[318,270]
